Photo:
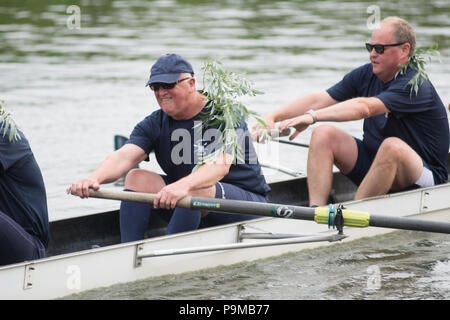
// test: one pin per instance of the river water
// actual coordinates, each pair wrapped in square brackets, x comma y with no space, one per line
[74,81]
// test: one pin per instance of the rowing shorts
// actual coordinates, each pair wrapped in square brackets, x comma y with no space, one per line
[365,159]
[363,163]
[17,245]
[231,192]
[223,191]
[134,216]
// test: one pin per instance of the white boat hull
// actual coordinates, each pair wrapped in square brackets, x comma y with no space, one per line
[72,273]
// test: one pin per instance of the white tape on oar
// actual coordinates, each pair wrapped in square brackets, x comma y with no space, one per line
[262,135]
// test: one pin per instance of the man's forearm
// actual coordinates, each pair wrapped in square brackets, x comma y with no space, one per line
[352,109]
[208,174]
[117,164]
[300,105]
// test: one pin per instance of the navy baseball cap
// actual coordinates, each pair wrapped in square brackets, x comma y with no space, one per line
[168,68]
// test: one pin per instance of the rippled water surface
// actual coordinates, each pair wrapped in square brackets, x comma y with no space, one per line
[71,90]
[404,265]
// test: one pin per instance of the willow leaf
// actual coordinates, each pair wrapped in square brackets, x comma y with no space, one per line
[417,62]
[223,89]
[7,124]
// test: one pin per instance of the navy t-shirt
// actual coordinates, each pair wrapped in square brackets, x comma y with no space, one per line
[22,190]
[178,147]
[419,120]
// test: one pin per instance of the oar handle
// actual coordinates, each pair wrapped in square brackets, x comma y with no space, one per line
[275,133]
[134,197]
[272,133]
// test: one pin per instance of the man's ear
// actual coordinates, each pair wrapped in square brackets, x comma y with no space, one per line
[406,48]
[192,84]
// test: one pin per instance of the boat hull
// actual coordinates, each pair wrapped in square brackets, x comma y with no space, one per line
[71,273]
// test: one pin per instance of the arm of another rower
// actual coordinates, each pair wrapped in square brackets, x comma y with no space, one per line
[300,105]
[352,109]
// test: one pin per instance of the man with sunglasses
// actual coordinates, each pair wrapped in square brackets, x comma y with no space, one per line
[405,135]
[171,133]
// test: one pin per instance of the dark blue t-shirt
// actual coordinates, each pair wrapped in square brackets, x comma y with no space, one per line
[178,146]
[419,120]
[22,190]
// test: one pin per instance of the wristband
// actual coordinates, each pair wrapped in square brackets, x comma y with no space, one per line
[312,114]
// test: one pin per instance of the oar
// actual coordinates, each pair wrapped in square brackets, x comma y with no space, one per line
[287,171]
[292,143]
[325,215]
[275,134]
[272,133]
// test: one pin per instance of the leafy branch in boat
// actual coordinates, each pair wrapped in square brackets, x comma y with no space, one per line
[223,89]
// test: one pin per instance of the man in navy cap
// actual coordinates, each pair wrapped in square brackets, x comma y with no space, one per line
[171,134]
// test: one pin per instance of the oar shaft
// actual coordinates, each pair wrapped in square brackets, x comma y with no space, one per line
[408,224]
[352,218]
[253,208]
[217,205]
[298,144]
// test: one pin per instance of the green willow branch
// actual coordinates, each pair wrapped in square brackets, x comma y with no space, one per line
[7,124]
[417,62]
[223,89]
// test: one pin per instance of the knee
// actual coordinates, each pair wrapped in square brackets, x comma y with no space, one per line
[132,179]
[392,149]
[143,181]
[323,135]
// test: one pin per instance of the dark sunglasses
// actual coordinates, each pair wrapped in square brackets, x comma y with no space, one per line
[379,48]
[158,85]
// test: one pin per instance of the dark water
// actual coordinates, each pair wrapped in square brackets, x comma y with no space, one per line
[72,89]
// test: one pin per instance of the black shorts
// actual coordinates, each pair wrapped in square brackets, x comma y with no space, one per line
[223,191]
[363,163]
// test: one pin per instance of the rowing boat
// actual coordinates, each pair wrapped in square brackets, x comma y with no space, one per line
[85,253]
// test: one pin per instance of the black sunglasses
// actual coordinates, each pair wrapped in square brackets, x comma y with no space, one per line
[379,48]
[156,86]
